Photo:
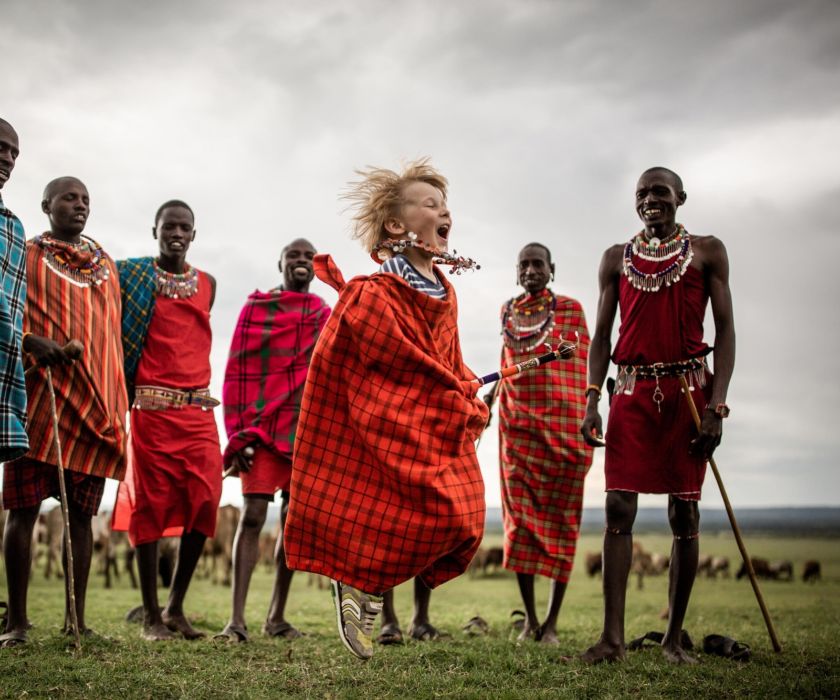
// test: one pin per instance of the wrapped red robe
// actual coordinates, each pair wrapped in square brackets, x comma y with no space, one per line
[175,457]
[647,449]
[266,371]
[386,485]
[542,456]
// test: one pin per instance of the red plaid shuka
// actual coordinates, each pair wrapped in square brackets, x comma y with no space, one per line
[542,455]
[266,369]
[385,481]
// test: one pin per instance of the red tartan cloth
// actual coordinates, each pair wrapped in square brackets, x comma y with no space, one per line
[176,460]
[647,449]
[385,481]
[542,455]
[27,482]
[266,369]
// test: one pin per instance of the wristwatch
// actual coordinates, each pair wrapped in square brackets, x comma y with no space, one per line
[721,410]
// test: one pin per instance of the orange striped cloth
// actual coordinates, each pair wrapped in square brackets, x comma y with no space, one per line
[90,394]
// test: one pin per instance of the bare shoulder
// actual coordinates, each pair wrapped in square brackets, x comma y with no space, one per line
[612,258]
[709,250]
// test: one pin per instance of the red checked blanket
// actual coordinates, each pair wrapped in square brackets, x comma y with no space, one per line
[385,482]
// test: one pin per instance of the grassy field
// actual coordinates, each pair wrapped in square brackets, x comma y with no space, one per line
[119,664]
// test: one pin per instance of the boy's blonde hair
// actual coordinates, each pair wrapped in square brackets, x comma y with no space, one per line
[378,196]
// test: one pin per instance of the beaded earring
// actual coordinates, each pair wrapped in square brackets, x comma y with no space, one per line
[412,236]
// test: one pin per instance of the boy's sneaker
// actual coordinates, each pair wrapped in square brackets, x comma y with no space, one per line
[356,613]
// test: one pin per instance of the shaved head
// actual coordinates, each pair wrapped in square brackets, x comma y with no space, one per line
[55,186]
[4,123]
[297,242]
[676,180]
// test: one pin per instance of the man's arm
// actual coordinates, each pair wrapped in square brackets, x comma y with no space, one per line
[716,270]
[601,347]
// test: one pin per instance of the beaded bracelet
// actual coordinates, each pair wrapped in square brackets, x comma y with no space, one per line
[595,388]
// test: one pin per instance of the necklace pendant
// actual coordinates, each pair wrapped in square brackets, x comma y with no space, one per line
[654,243]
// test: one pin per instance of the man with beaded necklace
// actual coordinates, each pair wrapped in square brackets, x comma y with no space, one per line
[72,294]
[543,459]
[175,466]
[661,281]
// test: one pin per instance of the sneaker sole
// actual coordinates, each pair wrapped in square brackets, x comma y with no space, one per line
[336,594]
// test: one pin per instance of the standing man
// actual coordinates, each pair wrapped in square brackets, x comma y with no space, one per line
[176,469]
[543,458]
[661,280]
[72,293]
[266,371]
[13,439]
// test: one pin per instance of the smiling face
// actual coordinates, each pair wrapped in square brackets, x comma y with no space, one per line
[296,265]
[67,204]
[534,269]
[9,150]
[425,213]
[175,230]
[658,196]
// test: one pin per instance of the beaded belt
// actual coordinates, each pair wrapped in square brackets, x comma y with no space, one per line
[159,398]
[694,369]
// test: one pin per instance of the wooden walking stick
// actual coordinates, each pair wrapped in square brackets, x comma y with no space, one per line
[777,647]
[74,349]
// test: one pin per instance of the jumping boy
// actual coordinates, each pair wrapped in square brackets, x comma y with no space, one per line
[385,481]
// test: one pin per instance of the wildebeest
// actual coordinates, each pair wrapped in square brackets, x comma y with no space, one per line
[712,566]
[774,571]
[485,558]
[593,563]
[811,571]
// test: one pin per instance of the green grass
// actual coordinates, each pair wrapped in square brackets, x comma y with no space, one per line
[122,666]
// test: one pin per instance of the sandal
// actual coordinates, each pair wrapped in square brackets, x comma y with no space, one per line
[656,638]
[15,638]
[425,632]
[390,634]
[233,634]
[476,627]
[283,630]
[726,647]
[517,620]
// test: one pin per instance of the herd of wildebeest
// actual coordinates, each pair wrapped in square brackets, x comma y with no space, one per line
[217,558]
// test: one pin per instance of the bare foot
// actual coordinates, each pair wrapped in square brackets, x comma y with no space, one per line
[179,623]
[601,652]
[156,632]
[678,655]
[546,636]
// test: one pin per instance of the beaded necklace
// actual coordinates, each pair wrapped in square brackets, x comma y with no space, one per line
[391,247]
[657,250]
[653,281]
[528,320]
[176,286]
[83,263]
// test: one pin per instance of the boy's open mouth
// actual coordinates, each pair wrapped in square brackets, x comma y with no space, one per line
[443,231]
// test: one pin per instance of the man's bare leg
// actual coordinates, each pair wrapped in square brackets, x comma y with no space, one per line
[81,536]
[17,548]
[684,517]
[547,631]
[618,554]
[189,552]
[526,589]
[421,628]
[246,545]
[276,624]
[147,566]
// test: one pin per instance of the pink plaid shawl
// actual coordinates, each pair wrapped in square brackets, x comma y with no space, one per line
[266,369]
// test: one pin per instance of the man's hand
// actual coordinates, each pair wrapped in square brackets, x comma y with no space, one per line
[242,461]
[488,399]
[591,429]
[711,429]
[48,353]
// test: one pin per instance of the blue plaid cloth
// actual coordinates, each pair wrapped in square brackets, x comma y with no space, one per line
[13,439]
[138,292]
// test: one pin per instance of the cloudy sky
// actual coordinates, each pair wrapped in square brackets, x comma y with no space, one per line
[541,113]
